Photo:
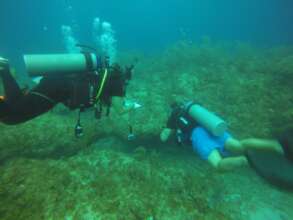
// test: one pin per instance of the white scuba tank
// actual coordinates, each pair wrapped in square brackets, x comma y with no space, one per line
[47,64]
[207,119]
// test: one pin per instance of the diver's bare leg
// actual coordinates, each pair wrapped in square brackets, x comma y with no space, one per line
[262,144]
[235,146]
[228,163]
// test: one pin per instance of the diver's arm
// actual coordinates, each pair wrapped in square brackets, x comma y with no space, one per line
[35,102]
[11,88]
[165,134]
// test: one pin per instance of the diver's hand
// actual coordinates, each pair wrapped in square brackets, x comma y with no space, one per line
[4,64]
[165,134]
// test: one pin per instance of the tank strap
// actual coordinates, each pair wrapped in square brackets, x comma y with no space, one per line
[43,96]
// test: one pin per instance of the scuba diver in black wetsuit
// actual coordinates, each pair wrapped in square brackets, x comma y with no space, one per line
[76,91]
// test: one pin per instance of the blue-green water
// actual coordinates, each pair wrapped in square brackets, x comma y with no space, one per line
[234,57]
[34,26]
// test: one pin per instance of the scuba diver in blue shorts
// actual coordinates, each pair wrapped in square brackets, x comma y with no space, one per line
[208,135]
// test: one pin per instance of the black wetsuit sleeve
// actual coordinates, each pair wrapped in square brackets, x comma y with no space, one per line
[11,88]
[39,100]
[172,120]
[57,89]
[25,108]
